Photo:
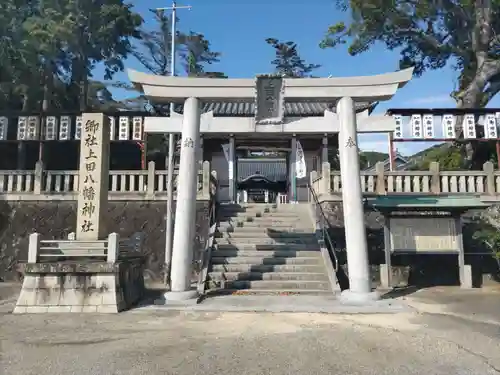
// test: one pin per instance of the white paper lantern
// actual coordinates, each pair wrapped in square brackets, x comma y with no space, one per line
[428,123]
[65,128]
[469,126]
[398,130]
[416,126]
[137,128]
[22,121]
[490,126]
[4,126]
[33,128]
[50,128]
[124,128]
[449,126]
[78,127]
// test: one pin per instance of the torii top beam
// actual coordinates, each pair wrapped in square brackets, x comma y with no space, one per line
[162,89]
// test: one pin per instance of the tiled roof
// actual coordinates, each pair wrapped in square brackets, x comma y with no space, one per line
[273,169]
[302,109]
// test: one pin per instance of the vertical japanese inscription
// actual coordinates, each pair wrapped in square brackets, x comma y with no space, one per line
[89,180]
[269,107]
[93,176]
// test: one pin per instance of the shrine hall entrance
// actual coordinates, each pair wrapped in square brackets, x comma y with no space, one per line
[262,176]
[265,171]
[257,167]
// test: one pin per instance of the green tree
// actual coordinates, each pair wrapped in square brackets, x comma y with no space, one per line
[430,35]
[48,50]
[196,54]
[288,62]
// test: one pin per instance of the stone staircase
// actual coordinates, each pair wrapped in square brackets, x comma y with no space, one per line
[268,249]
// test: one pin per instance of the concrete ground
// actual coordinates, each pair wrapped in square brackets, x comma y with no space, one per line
[451,332]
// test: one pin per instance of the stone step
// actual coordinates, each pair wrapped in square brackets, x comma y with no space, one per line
[266,253]
[259,225]
[261,213]
[295,236]
[282,247]
[266,241]
[275,276]
[281,285]
[315,261]
[265,292]
[267,268]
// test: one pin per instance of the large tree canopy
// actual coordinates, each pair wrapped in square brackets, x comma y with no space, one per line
[430,35]
[49,48]
[287,60]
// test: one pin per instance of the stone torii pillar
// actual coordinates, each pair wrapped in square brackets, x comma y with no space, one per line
[360,288]
[185,215]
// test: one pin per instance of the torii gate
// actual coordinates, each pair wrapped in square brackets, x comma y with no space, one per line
[269,93]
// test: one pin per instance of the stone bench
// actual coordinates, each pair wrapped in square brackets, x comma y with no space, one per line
[82,276]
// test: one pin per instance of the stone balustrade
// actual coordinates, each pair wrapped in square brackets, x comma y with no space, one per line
[485,182]
[103,276]
[40,184]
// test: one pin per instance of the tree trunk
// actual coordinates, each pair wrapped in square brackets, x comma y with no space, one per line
[475,153]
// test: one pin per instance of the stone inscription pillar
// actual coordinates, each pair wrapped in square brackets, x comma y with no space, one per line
[185,216]
[93,177]
[357,250]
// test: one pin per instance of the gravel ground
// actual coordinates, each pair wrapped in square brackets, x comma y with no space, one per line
[454,332]
[182,343]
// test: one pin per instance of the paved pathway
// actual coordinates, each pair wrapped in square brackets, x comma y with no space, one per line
[190,343]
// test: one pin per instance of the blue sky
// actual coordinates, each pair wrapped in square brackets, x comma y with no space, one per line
[238,30]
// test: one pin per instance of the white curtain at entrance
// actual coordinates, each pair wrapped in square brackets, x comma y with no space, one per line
[225,149]
[300,162]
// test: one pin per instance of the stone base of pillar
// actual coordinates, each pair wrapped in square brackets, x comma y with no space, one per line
[181,298]
[348,297]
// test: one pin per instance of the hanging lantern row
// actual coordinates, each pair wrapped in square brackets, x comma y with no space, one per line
[423,126]
[65,128]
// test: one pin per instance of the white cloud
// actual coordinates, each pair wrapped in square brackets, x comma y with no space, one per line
[431,100]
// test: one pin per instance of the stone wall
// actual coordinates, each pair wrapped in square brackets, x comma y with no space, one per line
[54,220]
[415,269]
[81,287]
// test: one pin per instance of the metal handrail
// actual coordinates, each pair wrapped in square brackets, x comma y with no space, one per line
[207,250]
[324,227]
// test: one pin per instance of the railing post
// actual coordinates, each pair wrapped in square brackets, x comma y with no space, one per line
[33,247]
[150,188]
[489,169]
[113,247]
[205,187]
[381,187]
[38,178]
[325,178]
[435,177]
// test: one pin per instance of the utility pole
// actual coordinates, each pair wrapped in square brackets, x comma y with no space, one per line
[171,148]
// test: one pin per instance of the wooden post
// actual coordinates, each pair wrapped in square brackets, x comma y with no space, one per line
[312,177]
[381,188]
[325,178]
[488,168]
[150,187]
[435,177]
